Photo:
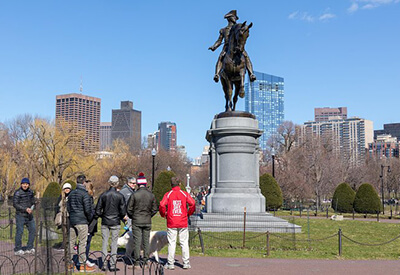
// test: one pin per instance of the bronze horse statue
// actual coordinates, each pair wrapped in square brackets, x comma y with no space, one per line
[234,65]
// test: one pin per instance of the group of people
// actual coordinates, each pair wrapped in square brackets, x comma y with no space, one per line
[134,204]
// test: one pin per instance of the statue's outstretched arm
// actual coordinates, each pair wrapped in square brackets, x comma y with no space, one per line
[218,42]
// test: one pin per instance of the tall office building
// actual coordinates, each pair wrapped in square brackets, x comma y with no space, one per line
[265,99]
[83,112]
[389,129]
[127,125]
[350,137]
[105,136]
[384,146]
[167,138]
[324,114]
[152,140]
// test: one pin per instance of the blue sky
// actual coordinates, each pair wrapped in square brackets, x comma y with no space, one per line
[331,53]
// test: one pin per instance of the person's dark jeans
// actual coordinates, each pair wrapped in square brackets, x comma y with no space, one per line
[21,221]
[141,234]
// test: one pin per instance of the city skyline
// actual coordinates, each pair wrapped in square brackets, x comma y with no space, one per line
[330,53]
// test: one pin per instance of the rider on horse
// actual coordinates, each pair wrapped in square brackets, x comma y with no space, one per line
[224,35]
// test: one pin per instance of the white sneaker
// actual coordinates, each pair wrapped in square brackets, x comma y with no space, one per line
[89,263]
[186,266]
[19,252]
[30,251]
[169,266]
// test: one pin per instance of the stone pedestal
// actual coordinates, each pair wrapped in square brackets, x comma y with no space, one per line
[234,180]
[234,164]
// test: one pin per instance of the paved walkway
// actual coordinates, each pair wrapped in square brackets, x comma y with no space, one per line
[233,266]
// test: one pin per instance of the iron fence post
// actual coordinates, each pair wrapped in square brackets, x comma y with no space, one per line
[268,248]
[40,231]
[327,208]
[340,241]
[11,229]
[201,240]
[244,228]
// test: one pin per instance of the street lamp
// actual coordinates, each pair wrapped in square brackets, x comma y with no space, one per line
[273,161]
[153,154]
[188,189]
[381,176]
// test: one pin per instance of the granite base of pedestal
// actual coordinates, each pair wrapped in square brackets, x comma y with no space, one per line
[233,222]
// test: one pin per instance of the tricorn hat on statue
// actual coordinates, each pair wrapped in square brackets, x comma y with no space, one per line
[231,13]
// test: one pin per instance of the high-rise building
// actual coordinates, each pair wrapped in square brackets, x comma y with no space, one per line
[105,136]
[326,113]
[152,140]
[384,146]
[83,112]
[167,138]
[127,125]
[265,99]
[349,137]
[392,129]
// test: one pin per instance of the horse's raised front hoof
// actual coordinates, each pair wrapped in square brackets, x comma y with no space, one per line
[216,78]
[241,94]
[252,77]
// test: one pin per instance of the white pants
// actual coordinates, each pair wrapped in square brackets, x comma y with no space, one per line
[184,241]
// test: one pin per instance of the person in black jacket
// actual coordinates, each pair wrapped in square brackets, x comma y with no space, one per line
[111,209]
[24,202]
[141,208]
[80,208]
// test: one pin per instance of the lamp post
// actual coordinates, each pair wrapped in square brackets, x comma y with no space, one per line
[153,154]
[188,189]
[382,192]
[273,161]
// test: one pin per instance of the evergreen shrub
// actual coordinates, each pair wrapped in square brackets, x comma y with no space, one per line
[343,198]
[367,200]
[162,184]
[271,191]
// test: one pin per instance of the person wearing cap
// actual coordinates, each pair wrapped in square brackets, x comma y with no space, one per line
[80,208]
[141,208]
[127,190]
[224,36]
[111,209]
[174,207]
[24,203]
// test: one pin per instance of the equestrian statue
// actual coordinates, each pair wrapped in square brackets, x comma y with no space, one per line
[233,61]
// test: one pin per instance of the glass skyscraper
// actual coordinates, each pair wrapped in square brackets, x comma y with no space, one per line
[264,99]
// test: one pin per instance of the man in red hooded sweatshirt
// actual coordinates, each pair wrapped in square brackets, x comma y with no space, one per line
[174,206]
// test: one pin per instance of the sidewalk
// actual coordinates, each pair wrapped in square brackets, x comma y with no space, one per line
[233,266]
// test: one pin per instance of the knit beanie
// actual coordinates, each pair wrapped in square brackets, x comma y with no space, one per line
[141,180]
[25,180]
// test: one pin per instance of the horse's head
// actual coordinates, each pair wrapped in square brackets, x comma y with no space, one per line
[241,35]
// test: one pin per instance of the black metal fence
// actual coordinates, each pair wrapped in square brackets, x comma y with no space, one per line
[49,255]
[266,242]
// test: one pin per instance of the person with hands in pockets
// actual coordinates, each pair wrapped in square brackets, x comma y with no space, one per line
[176,206]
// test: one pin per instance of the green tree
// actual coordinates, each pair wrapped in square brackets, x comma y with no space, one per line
[343,198]
[271,191]
[367,200]
[50,195]
[162,184]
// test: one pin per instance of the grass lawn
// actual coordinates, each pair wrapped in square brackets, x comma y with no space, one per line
[297,246]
